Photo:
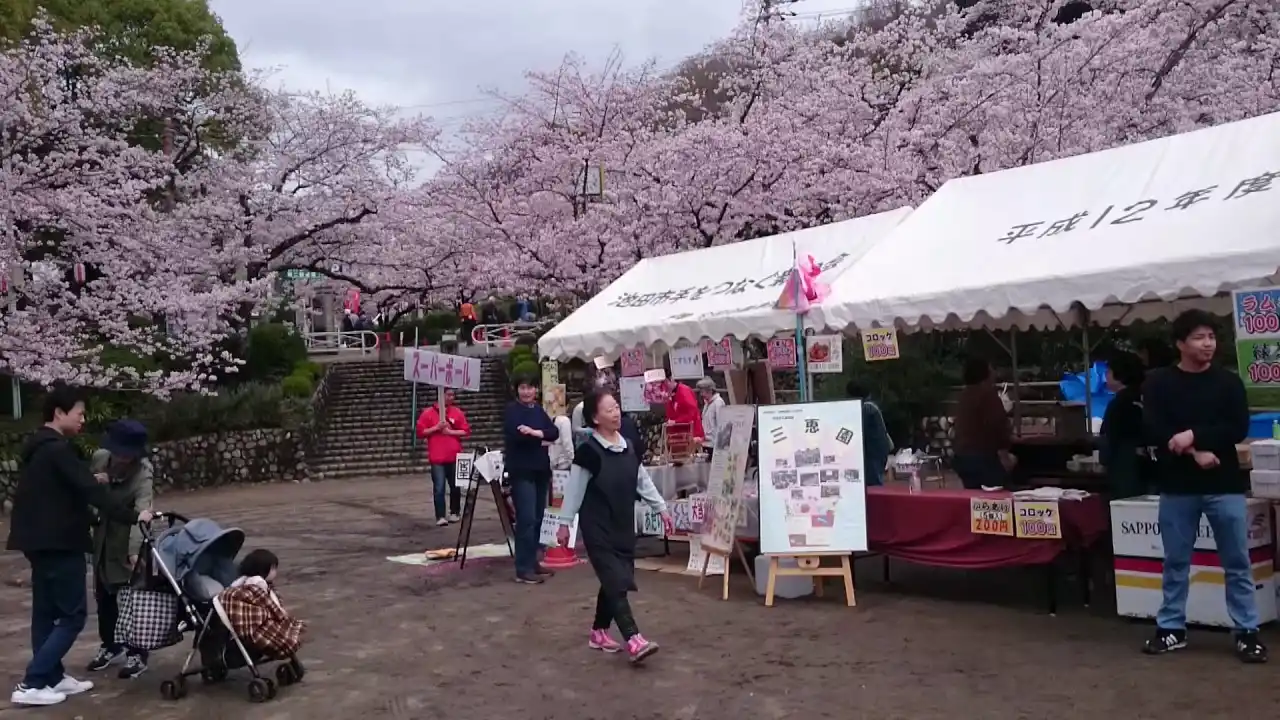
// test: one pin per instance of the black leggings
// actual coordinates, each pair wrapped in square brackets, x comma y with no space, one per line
[615,609]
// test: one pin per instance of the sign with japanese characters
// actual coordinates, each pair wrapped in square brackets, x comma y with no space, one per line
[720,354]
[812,493]
[632,362]
[880,344]
[433,368]
[1256,314]
[1138,209]
[1037,519]
[991,516]
[768,283]
[782,352]
[686,363]
[825,353]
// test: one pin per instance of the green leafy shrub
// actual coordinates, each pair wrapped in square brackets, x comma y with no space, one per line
[518,356]
[245,407]
[298,385]
[528,368]
[274,350]
[314,370]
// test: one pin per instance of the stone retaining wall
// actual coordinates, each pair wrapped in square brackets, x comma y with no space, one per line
[251,456]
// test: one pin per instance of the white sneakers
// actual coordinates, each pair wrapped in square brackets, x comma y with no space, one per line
[23,695]
[442,522]
[453,517]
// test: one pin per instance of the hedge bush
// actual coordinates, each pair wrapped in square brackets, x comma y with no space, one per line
[274,350]
[298,385]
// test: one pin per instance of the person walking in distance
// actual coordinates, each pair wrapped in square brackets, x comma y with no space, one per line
[123,459]
[444,442]
[50,526]
[603,484]
[526,428]
[1195,414]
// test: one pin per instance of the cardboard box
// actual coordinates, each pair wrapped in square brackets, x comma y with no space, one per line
[1264,455]
[1265,484]
[1139,555]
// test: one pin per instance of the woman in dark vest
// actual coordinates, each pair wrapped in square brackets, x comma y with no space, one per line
[602,488]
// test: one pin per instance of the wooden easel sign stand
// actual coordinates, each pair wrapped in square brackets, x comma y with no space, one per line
[810,565]
[708,553]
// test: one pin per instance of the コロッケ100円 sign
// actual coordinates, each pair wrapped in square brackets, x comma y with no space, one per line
[1037,519]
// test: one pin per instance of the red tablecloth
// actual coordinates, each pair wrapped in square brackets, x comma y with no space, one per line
[932,528]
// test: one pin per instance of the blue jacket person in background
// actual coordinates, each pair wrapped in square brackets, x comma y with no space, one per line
[525,429]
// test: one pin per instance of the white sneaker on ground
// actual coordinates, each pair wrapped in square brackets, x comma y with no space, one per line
[441,522]
[23,695]
[72,686]
[453,517]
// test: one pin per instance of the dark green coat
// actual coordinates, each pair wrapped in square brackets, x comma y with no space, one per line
[114,542]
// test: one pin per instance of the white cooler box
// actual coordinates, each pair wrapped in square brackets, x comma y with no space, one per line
[1139,554]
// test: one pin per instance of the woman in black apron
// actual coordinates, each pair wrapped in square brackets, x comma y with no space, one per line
[603,483]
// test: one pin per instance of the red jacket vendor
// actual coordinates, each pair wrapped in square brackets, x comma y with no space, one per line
[682,407]
[444,443]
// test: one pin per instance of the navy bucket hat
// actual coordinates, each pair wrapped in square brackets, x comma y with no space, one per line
[126,439]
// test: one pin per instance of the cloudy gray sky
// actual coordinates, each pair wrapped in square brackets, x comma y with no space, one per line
[438,56]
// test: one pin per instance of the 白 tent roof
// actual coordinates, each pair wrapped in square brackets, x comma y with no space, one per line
[1156,223]
[717,291]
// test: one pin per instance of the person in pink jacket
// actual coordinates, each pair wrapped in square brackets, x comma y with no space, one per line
[444,442]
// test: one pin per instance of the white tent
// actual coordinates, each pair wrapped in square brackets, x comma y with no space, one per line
[1128,233]
[718,291]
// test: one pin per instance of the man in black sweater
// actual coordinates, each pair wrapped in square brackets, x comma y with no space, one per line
[51,522]
[1195,414]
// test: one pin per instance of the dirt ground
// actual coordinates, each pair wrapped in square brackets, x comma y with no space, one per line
[397,641]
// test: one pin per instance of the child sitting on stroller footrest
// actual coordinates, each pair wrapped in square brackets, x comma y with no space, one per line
[255,612]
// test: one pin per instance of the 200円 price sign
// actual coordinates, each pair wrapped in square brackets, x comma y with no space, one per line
[991,516]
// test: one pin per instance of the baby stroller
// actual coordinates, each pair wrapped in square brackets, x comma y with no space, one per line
[194,561]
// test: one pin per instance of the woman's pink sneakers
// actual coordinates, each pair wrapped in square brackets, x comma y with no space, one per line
[601,640]
[639,648]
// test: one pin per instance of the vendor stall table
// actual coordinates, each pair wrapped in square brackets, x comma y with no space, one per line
[933,528]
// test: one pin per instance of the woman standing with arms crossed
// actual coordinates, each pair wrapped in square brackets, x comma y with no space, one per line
[602,488]
[525,427]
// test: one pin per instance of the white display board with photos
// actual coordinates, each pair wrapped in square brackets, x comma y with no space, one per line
[812,495]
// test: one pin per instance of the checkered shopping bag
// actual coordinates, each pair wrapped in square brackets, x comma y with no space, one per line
[148,619]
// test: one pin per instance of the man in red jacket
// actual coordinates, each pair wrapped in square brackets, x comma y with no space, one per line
[444,442]
[682,407]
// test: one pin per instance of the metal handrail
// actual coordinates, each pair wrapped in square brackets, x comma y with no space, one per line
[503,335]
[363,341]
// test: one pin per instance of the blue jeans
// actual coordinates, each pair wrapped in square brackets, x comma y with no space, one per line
[59,605]
[1179,523]
[442,478]
[529,492]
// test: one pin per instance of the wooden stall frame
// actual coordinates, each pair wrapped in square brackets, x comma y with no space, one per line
[810,565]
[728,564]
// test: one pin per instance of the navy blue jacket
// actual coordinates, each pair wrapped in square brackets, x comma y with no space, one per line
[524,453]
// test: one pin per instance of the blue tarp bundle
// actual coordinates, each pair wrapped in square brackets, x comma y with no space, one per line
[1073,385]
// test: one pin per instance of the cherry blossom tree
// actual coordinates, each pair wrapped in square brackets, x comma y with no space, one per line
[782,126]
[96,252]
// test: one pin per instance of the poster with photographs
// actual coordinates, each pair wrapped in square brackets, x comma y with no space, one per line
[725,479]
[812,497]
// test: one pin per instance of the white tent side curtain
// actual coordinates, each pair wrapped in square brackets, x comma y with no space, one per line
[713,292]
[1153,224]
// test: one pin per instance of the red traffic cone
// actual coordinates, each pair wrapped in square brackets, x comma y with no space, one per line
[560,557]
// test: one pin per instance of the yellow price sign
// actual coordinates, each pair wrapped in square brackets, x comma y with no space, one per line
[1038,519]
[880,344]
[991,516]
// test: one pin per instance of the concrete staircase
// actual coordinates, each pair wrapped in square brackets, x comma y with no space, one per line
[368,426]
